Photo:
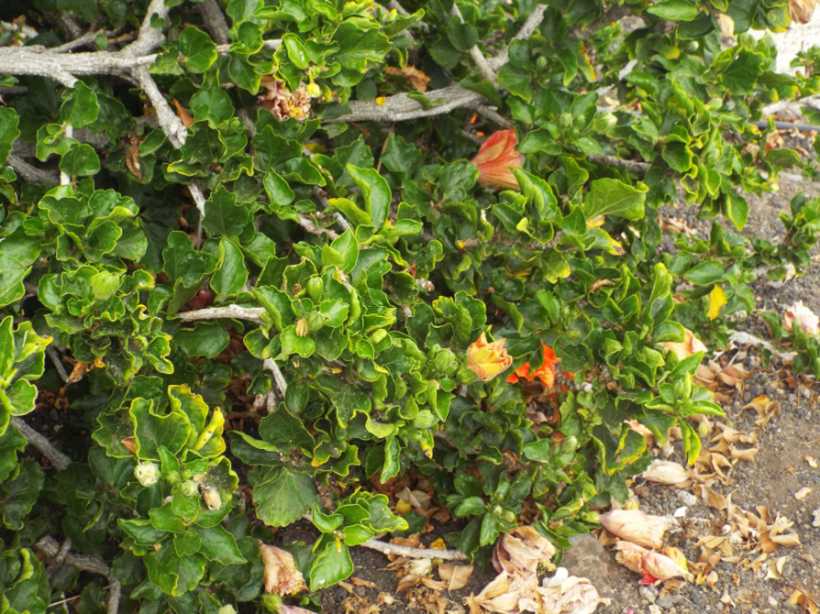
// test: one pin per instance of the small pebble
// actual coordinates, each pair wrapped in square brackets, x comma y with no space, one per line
[648,593]
[687,498]
[667,601]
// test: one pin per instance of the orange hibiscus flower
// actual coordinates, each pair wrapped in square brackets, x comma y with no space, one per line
[545,373]
[496,160]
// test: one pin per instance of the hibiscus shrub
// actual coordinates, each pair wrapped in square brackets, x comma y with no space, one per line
[264,261]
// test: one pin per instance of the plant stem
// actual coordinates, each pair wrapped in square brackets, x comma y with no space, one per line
[59,460]
[252,314]
[414,553]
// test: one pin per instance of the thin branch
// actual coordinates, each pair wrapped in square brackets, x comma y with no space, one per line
[58,364]
[31,173]
[199,200]
[171,125]
[59,460]
[641,168]
[214,20]
[80,41]
[414,553]
[271,43]
[84,562]
[313,229]
[401,107]
[493,115]
[65,178]
[236,312]
[476,54]
[789,126]
[526,31]
[149,37]
[278,378]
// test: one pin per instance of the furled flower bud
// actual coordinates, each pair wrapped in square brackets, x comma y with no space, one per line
[636,526]
[211,497]
[302,327]
[487,360]
[226,609]
[805,318]
[147,474]
[496,159]
[647,562]
[281,576]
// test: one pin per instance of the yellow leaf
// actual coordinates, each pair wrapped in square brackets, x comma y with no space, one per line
[717,299]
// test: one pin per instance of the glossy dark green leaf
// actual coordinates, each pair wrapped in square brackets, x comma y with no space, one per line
[197,48]
[232,273]
[80,161]
[376,192]
[224,215]
[281,495]
[331,564]
[206,340]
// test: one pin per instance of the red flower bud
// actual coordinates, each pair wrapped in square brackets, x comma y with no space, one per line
[496,160]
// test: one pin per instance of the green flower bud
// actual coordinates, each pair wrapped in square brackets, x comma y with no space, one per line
[147,474]
[315,287]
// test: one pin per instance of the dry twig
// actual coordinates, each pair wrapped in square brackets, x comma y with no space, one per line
[59,460]
[414,553]
[92,564]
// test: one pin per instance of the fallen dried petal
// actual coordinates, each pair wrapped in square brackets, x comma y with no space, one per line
[665,472]
[802,493]
[521,551]
[455,575]
[565,594]
[636,526]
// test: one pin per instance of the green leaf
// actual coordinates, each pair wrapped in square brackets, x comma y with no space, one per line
[282,495]
[81,108]
[19,494]
[332,564]
[153,430]
[359,48]
[296,50]
[80,161]
[220,546]
[213,105]
[198,50]
[351,211]
[172,574]
[9,131]
[277,188]
[614,197]
[737,210]
[674,10]
[705,273]
[343,252]
[17,254]
[223,215]
[294,344]
[207,340]
[232,275]
[376,192]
